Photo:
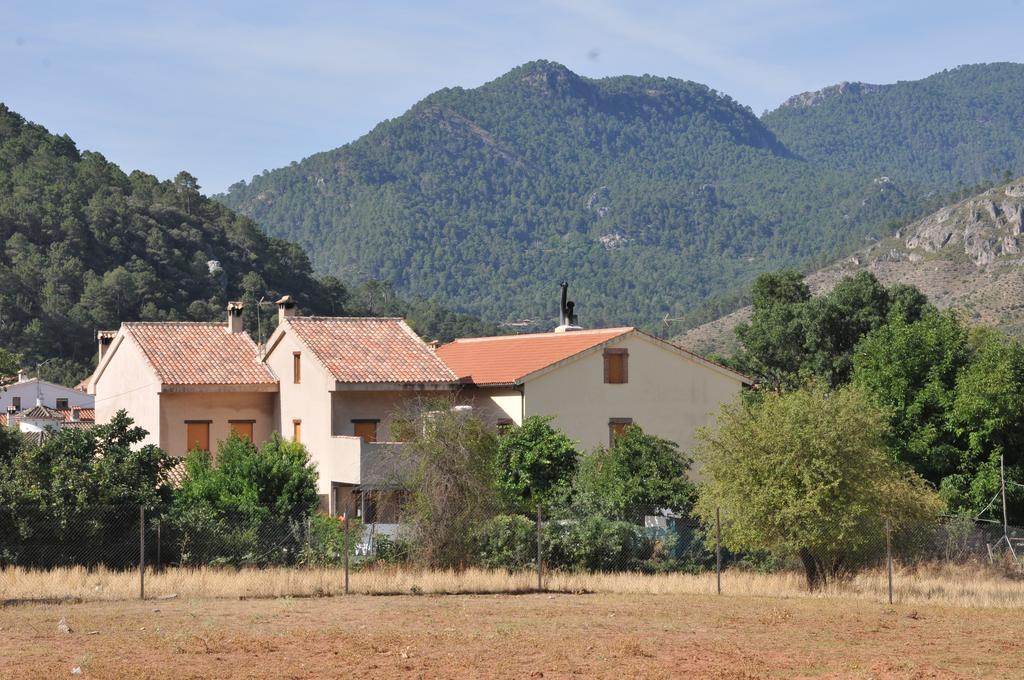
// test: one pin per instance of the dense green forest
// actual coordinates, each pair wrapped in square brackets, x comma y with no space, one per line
[953,128]
[87,246]
[652,195]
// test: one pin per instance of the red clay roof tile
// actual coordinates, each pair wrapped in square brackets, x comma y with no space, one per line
[503,360]
[199,353]
[370,349]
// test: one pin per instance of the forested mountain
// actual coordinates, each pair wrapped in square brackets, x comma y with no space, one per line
[86,246]
[652,195]
[955,127]
[647,193]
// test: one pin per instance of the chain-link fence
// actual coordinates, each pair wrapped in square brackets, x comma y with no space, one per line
[515,549]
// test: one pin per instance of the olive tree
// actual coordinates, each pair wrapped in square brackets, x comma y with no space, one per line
[807,474]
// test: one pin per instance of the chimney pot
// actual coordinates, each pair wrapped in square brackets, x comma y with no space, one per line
[235,322]
[285,308]
[566,314]
[103,339]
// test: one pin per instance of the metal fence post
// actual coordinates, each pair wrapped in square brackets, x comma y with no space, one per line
[158,563]
[718,549]
[540,555]
[346,548]
[888,554]
[142,552]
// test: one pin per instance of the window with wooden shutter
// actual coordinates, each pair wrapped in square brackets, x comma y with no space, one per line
[365,429]
[297,367]
[243,428]
[616,366]
[617,427]
[197,435]
[297,430]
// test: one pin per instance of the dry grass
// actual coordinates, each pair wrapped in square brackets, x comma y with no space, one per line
[962,586]
[509,636]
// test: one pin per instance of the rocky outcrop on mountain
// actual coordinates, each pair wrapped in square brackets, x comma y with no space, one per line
[966,256]
[984,227]
[807,99]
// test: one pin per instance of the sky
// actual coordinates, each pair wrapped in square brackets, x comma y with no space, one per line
[228,89]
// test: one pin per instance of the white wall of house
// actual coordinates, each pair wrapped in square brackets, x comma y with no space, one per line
[128,383]
[27,391]
[668,393]
[39,424]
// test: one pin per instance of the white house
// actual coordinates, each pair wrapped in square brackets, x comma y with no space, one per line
[27,392]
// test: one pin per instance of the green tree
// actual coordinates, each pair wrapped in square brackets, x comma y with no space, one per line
[911,369]
[250,505]
[275,480]
[773,342]
[79,489]
[9,365]
[792,338]
[535,463]
[807,474]
[637,474]
[987,414]
[449,467]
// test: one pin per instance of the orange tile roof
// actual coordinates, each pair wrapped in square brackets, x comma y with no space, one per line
[370,350]
[86,415]
[505,359]
[199,353]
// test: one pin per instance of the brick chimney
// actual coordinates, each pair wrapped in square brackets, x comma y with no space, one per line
[104,338]
[285,308]
[235,324]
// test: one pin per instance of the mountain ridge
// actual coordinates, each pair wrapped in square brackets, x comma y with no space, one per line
[482,198]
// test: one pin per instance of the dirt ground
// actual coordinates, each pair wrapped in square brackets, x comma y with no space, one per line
[514,636]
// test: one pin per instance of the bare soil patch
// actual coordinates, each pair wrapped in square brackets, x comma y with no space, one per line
[543,635]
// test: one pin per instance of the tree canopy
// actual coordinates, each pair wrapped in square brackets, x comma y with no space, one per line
[792,337]
[637,475]
[807,473]
[535,463]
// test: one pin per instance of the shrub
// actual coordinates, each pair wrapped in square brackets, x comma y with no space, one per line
[326,542]
[248,507]
[506,542]
[596,544]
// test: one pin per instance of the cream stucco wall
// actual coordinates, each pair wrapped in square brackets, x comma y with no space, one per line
[309,401]
[494,404]
[362,404]
[128,383]
[668,394]
[217,407]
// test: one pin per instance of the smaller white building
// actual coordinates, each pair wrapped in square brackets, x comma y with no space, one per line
[28,392]
[39,418]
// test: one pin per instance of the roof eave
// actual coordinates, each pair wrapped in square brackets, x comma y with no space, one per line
[429,385]
[218,387]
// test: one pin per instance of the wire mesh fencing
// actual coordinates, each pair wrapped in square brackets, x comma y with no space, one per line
[383,547]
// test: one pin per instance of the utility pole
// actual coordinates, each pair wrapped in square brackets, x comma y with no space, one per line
[1002,485]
